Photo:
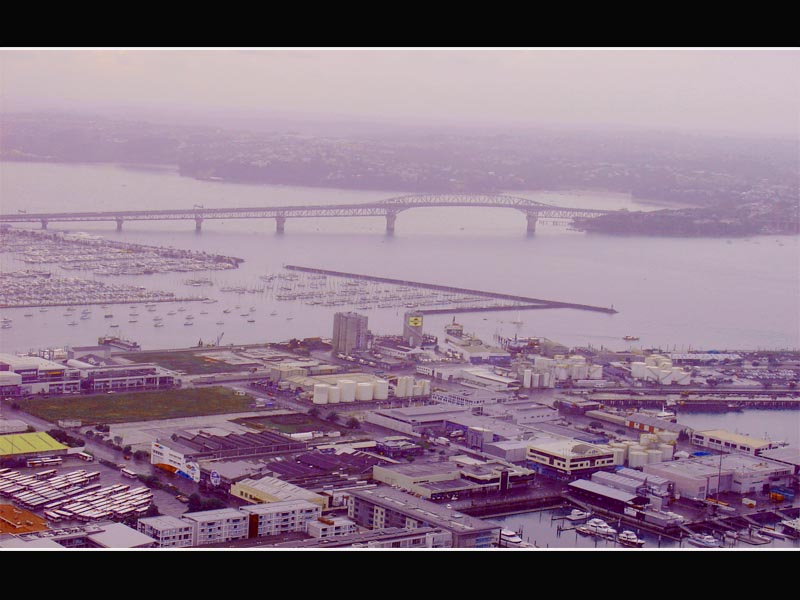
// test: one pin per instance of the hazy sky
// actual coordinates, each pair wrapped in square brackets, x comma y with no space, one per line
[745,90]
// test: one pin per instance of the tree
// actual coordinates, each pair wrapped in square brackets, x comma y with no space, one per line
[332,417]
[314,412]
[353,423]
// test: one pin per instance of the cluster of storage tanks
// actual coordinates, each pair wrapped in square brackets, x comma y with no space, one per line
[651,448]
[347,390]
[408,387]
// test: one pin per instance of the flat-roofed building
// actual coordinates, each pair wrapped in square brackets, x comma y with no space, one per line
[566,458]
[704,476]
[383,507]
[118,535]
[719,439]
[213,526]
[41,376]
[276,518]
[129,377]
[167,531]
[349,332]
[326,527]
[415,419]
[272,489]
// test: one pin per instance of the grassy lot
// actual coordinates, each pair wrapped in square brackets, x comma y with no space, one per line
[139,406]
[188,362]
[294,423]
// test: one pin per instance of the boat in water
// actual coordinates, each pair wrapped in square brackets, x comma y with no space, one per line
[630,539]
[703,540]
[791,527]
[630,338]
[509,539]
[597,527]
[578,515]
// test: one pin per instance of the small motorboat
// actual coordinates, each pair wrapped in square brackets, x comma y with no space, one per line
[578,515]
[630,539]
[703,540]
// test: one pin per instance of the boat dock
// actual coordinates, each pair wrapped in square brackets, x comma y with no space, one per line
[521,302]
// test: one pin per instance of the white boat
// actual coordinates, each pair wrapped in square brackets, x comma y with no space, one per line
[773,533]
[629,538]
[791,527]
[509,539]
[578,515]
[599,527]
[703,540]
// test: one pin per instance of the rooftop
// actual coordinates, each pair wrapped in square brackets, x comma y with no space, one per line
[25,443]
[117,535]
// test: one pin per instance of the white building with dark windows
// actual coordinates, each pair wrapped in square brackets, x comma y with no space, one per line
[169,532]
[215,526]
[276,518]
[39,375]
[349,332]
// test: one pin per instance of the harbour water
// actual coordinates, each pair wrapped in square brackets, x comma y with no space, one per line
[672,293]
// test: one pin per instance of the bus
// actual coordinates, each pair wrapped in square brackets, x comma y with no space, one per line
[85,456]
[128,473]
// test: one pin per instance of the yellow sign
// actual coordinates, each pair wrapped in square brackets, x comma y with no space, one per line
[415,321]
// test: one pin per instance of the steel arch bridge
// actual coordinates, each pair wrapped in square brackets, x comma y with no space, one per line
[389,209]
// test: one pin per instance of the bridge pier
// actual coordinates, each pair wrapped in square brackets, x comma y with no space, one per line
[531,218]
[198,223]
[119,223]
[280,224]
[44,223]
[390,219]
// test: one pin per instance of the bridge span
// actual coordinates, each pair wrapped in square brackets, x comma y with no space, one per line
[388,209]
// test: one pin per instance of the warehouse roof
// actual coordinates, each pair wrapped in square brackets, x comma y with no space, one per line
[25,443]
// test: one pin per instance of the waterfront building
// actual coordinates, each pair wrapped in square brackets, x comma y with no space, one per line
[383,507]
[725,441]
[661,370]
[349,332]
[40,375]
[567,458]
[138,377]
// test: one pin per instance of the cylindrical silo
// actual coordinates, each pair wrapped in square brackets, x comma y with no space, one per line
[621,447]
[364,391]
[654,456]
[526,378]
[416,390]
[666,451]
[400,388]
[545,380]
[667,436]
[348,390]
[636,448]
[321,393]
[619,456]
[335,395]
[381,391]
[647,439]
[535,380]
[636,459]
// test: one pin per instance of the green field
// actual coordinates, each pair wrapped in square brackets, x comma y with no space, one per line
[188,362]
[294,423]
[140,406]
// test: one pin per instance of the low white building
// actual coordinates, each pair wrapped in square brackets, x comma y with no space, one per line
[660,369]
[276,518]
[324,527]
[169,532]
[214,526]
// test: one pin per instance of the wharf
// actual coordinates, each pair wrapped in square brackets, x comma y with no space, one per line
[529,302]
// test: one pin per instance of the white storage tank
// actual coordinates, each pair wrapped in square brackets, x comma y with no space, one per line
[619,456]
[535,380]
[321,393]
[636,459]
[381,391]
[416,390]
[545,380]
[364,391]
[621,447]
[666,451]
[348,387]
[400,388]
[426,387]
[667,436]
[334,394]
[636,448]
[527,375]
[653,456]
[646,439]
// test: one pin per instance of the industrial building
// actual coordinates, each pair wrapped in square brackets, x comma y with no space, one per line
[389,537]
[468,348]
[167,531]
[415,420]
[725,441]
[703,476]
[125,378]
[349,332]
[19,446]
[386,507]
[468,397]
[106,535]
[272,489]
[660,369]
[39,375]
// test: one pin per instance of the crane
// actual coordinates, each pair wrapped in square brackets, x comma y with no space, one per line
[219,337]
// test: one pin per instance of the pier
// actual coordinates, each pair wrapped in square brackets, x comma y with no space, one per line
[526,302]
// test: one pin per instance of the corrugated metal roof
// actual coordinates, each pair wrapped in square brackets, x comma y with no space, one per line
[25,443]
